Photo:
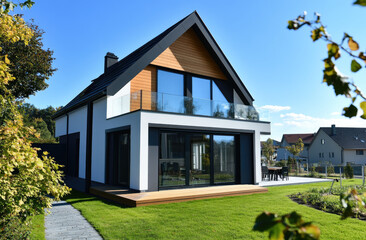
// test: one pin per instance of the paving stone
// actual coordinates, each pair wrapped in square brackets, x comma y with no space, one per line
[65,222]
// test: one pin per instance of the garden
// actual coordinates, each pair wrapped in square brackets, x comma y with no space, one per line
[221,218]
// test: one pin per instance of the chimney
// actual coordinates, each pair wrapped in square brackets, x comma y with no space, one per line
[109,60]
[333,129]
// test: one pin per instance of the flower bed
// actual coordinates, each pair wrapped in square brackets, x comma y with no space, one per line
[320,198]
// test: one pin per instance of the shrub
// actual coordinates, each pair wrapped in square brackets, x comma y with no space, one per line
[330,169]
[348,171]
[282,163]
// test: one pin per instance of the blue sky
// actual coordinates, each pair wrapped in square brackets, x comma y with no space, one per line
[282,69]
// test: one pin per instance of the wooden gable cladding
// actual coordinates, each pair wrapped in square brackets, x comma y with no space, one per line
[145,81]
[189,54]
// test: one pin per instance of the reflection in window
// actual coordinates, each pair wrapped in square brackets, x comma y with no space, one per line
[171,161]
[201,93]
[170,92]
[221,107]
[224,159]
[200,159]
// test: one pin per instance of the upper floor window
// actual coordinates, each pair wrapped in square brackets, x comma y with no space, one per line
[332,154]
[359,152]
[201,93]
[170,96]
[170,83]
[322,141]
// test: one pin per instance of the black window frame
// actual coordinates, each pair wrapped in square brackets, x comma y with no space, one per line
[187,83]
[187,153]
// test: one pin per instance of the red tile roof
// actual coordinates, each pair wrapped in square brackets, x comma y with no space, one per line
[307,138]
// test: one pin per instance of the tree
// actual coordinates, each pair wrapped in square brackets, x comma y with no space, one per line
[30,64]
[268,150]
[26,181]
[31,113]
[332,76]
[296,149]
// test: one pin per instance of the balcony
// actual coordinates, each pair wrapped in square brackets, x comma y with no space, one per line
[162,102]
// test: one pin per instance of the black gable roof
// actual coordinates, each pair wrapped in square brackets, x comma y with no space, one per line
[123,71]
[348,138]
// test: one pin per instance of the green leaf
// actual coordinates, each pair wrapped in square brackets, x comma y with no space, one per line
[355,66]
[350,111]
[276,232]
[363,107]
[360,2]
[264,221]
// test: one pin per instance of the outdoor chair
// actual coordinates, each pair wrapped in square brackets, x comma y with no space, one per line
[284,173]
[265,173]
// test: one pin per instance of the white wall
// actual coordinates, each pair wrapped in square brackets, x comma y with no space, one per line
[77,123]
[329,146]
[350,156]
[100,125]
[60,125]
[119,103]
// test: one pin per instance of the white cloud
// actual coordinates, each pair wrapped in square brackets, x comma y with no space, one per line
[278,124]
[275,108]
[309,123]
[335,114]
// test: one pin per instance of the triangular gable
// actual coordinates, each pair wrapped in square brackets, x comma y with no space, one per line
[192,21]
[189,54]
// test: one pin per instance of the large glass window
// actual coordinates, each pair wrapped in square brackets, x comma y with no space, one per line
[189,159]
[201,93]
[224,159]
[172,161]
[170,92]
[200,159]
[221,107]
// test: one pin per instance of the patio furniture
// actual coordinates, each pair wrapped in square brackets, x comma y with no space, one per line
[284,173]
[274,172]
[265,173]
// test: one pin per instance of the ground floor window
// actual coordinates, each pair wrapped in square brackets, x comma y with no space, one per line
[190,159]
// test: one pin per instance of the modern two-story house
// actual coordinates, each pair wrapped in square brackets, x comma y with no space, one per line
[172,114]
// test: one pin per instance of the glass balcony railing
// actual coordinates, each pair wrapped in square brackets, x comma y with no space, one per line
[162,102]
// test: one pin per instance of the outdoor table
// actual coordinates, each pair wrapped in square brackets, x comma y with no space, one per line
[274,172]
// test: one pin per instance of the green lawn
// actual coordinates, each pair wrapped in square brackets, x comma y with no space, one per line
[221,218]
[37,232]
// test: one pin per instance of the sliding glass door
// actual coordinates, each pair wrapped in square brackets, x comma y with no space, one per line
[224,159]
[172,167]
[193,159]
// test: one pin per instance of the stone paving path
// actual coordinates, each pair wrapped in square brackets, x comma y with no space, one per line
[65,222]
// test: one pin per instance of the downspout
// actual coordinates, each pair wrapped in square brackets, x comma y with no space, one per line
[89,133]
[342,156]
[67,143]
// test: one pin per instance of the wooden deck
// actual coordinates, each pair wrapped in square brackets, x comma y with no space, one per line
[131,199]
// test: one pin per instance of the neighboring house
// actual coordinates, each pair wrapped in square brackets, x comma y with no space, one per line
[338,146]
[172,114]
[290,139]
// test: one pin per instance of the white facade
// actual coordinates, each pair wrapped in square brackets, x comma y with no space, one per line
[139,123]
[77,123]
